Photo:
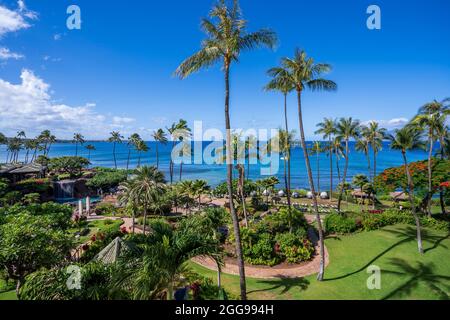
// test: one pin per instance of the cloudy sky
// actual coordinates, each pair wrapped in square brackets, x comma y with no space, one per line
[116,72]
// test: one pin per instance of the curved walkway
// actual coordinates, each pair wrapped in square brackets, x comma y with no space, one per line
[280,271]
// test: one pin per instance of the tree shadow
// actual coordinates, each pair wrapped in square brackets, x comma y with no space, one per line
[423,273]
[406,235]
[284,283]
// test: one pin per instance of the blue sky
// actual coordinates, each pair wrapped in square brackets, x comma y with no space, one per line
[116,72]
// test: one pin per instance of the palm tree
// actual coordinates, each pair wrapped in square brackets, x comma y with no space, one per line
[115,138]
[284,147]
[90,148]
[406,139]
[304,73]
[160,137]
[363,145]
[360,180]
[77,139]
[199,187]
[141,146]
[186,151]
[226,39]
[144,189]
[338,150]
[179,132]
[13,148]
[159,267]
[281,82]
[316,150]
[347,128]
[327,129]
[431,117]
[375,135]
[133,141]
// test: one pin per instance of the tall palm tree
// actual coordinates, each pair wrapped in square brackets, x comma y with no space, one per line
[327,128]
[406,139]
[305,73]
[429,118]
[347,128]
[375,135]
[363,145]
[141,146]
[281,82]
[90,148]
[144,189]
[133,141]
[77,139]
[338,150]
[316,150]
[283,148]
[115,138]
[160,137]
[179,132]
[13,148]
[4,141]
[226,39]
[29,145]
[186,151]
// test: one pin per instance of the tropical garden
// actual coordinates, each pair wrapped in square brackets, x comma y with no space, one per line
[175,238]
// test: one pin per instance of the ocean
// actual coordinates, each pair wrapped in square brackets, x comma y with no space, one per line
[216,174]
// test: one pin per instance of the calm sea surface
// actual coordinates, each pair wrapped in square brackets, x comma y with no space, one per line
[216,174]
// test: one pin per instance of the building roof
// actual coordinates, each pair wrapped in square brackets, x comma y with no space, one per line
[113,251]
[399,195]
[27,168]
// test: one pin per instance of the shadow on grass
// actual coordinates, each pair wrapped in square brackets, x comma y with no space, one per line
[423,273]
[407,235]
[283,283]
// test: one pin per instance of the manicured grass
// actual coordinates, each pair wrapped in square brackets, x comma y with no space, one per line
[96,227]
[404,273]
[5,291]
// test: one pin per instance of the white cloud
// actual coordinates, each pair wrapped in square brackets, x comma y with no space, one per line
[6,54]
[123,120]
[29,106]
[389,124]
[57,37]
[15,20]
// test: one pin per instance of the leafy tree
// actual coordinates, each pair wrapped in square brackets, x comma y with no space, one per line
[107,179]
[28,244]
[69,165]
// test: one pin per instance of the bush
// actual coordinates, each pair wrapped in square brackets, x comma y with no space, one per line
[31,198]
[105,209]
[294,247]
[279,222]
[338,223]
[107,178]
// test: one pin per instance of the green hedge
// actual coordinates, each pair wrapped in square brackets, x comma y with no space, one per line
[341,224]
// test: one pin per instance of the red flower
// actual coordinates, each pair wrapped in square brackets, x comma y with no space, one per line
[93,238]
[445,184]
[85,247]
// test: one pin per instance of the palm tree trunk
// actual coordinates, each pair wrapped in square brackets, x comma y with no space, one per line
[128,159]
[181,170]
[157,156]
[311,184]
[237,232]
[430,186]
[145,219]
[139,160]
[114,155]
[374,176]
[288,182]
[413,205]
[344,177]
[331,169]
[76,149]
[441,191]
[337,165]
[318,172]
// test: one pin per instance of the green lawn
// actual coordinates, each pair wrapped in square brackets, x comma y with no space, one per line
[404,273]
[5,291]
